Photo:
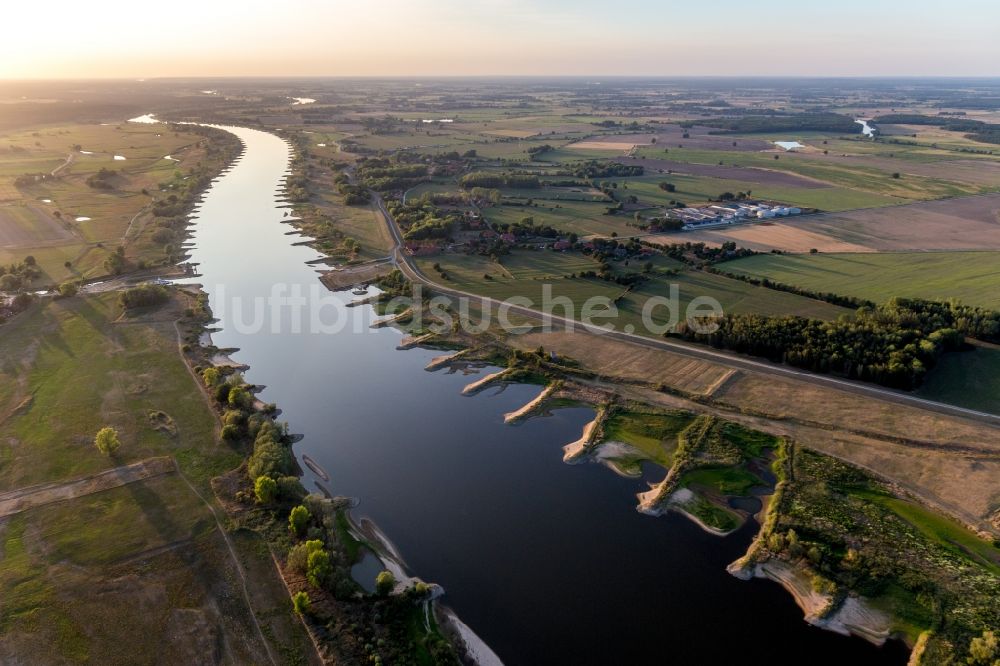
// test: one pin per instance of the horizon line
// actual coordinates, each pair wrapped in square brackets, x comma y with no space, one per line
[140,79]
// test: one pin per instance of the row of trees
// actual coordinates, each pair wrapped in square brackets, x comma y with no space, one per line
[597,169]
[15,277]
[489,180]
[421,220]
[383,175]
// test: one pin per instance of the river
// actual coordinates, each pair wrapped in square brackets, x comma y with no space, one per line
[548,563]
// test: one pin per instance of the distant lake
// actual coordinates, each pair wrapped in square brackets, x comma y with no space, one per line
[548,563]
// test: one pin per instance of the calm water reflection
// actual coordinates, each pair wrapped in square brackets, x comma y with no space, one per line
[548,563]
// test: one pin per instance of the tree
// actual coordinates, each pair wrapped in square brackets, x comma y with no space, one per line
[318,568]
[384,582]
[300,602]
[298,519]
[266,489]
[67,289]
[107,441]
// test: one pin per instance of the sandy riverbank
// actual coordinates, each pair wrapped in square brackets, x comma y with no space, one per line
[529,408]
[852,616]
[484,382]
[577,451]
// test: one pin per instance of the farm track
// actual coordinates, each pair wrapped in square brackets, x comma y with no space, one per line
[30,497]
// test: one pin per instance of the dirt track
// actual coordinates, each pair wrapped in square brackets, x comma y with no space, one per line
[22,499]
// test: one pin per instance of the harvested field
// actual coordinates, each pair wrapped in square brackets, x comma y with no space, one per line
[744,174]
[964,223]
[632,362]
[785,236]
[610,144]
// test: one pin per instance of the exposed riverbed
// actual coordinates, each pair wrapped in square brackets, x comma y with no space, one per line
[547,562]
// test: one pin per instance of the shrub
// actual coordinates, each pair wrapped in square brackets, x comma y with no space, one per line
[143,296]
[300,602]
[384,582]
[211,377]
[298,519]
[107,441]
[290,488]
[266,489]
[67,289]
[222,393]
[239,398]
[233,417]
[230,433]
[298,556]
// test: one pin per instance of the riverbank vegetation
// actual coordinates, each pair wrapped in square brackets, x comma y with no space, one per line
[853,533]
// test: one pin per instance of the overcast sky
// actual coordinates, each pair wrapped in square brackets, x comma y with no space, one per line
[115,38]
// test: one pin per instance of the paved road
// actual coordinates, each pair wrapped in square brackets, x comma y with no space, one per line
[405,263]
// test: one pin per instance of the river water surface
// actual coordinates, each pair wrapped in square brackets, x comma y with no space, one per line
[548,563]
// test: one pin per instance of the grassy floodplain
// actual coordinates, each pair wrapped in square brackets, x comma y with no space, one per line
[71,367]
[40,219]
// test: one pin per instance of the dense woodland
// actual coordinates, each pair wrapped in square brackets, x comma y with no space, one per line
[893,344]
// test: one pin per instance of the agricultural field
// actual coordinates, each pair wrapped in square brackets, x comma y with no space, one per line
[584,218]
[528,272]
[969,379]
[127,563]
[850,175]
[970,277]
[968,223]
[700,189]
[734,296]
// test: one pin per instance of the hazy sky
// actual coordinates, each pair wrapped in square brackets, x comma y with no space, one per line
[118,38]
